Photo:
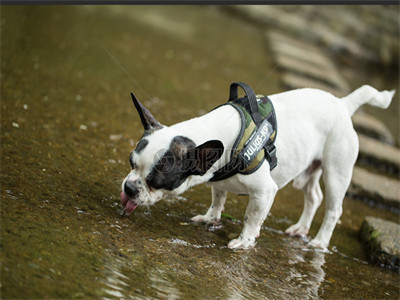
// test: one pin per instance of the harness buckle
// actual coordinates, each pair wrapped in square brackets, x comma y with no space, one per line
[270,154]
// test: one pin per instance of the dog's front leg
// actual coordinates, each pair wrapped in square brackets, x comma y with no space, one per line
[213,214]
[257,210]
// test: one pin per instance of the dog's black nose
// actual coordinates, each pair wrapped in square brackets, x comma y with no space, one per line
[130,189]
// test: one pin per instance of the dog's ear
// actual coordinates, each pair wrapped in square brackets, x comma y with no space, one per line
[200,159]
[149,122]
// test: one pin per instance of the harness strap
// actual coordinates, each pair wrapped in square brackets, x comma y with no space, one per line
[252,100]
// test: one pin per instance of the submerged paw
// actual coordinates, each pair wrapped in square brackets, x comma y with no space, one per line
[241,243]
[204,219]
[297,230]
[318,244]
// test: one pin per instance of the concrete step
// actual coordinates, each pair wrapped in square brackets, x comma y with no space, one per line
[372,127]
[378,153]
[315,32]
[328,76]
[383,242]
[374,188]
[294,81]
[299,57]
[304,64]
[280,42]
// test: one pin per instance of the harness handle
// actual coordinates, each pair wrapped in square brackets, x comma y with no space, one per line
[251,96]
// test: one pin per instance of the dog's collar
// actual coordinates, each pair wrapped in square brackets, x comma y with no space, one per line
[258,131]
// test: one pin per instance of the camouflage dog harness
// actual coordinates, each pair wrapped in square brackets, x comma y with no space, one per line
[258,131]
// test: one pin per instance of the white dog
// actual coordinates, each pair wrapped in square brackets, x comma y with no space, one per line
[315,137]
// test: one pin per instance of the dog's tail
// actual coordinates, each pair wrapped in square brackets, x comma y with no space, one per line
[367,94]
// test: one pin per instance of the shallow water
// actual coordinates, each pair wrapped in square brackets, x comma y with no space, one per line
[67,128]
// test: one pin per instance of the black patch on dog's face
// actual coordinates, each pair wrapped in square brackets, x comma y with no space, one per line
[181,160]
[169,172]
[131,161]
[141,145]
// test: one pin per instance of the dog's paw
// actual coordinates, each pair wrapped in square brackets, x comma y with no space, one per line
[240,243]
[318,244]
[204,219]
[297,230]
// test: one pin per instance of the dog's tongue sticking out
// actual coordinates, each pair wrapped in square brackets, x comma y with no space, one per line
[129,205]
[124,199]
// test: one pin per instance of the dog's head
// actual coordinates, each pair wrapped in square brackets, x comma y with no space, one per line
[164,161]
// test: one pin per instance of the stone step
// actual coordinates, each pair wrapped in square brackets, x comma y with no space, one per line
[280,42]
[383,242]
[305,28]
[379,153]
[379,189]
[299,56]
[378,33]
[372,127]
[305,65]
[294,81]
[326,75]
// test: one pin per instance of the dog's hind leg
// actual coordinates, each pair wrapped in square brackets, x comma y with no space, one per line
[312,200]
[213,214]
[339,158]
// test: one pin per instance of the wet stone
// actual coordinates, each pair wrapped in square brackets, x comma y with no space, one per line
[373,187]
[383,242]
[372,127]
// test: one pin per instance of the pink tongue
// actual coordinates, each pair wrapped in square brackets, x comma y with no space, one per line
[124,198]
[130,207]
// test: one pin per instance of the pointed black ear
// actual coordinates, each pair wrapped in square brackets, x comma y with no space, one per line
[201,158]
[149,122]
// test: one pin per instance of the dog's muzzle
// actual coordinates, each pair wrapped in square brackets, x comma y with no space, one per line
[130,189]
